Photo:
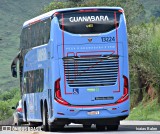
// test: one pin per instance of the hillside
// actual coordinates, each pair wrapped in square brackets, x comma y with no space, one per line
[152,8]
[12,15]
[146,110]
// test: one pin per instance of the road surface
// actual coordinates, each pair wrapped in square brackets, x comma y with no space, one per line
[126,127]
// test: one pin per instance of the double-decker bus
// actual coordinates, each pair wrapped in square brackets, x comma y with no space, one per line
[73,67]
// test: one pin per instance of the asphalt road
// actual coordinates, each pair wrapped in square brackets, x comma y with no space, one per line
[128,127]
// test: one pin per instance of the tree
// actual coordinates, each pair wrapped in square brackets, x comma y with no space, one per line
[7,100]
[133,8]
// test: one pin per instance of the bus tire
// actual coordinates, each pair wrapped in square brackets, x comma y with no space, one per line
[54,127]
[112,127]
[45,118]
[86,126]
[34,124]
[19,123]
[25,111]
[100,127]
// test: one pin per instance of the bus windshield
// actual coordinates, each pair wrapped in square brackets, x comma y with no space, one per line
[91,22]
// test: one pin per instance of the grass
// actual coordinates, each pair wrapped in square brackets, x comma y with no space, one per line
[146,111]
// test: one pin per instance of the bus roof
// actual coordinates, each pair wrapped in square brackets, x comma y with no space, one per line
[49,14]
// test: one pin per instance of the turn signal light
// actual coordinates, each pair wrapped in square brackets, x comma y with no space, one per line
[58,96]
[125,95]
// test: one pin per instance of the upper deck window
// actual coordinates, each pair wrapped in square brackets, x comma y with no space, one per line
[35,35]
[89,22]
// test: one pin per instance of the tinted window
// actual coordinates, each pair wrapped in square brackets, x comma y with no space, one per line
[35,35]
[34,81]
[89,22]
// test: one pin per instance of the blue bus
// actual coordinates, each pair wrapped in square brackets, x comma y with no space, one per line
[73,68]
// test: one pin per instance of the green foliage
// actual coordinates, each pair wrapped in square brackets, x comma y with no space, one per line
[144,51]
[56,5]
[153,49]
[8,95]
[7,100]
[4,110]
[129,6]
[139,38]
[146,110]
[152,8]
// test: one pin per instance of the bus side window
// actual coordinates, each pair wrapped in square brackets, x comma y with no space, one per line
[38,34]
[33,81]
[29,37]
[46,30]
[23,39]
[25,82]
[33,37]
[38,80]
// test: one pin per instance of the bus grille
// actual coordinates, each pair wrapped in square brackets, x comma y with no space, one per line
[91,71]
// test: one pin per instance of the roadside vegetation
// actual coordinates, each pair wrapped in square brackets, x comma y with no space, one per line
[8,99]
[143,25]
[146,110]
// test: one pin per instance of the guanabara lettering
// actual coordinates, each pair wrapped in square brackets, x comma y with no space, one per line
[88,18]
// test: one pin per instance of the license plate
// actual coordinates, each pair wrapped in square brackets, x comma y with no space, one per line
[93,113]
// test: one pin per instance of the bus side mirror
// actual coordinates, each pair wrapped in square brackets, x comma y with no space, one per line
[14,65]
[14,72]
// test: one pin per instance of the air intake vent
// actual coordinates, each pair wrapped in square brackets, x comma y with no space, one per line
[91,71]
